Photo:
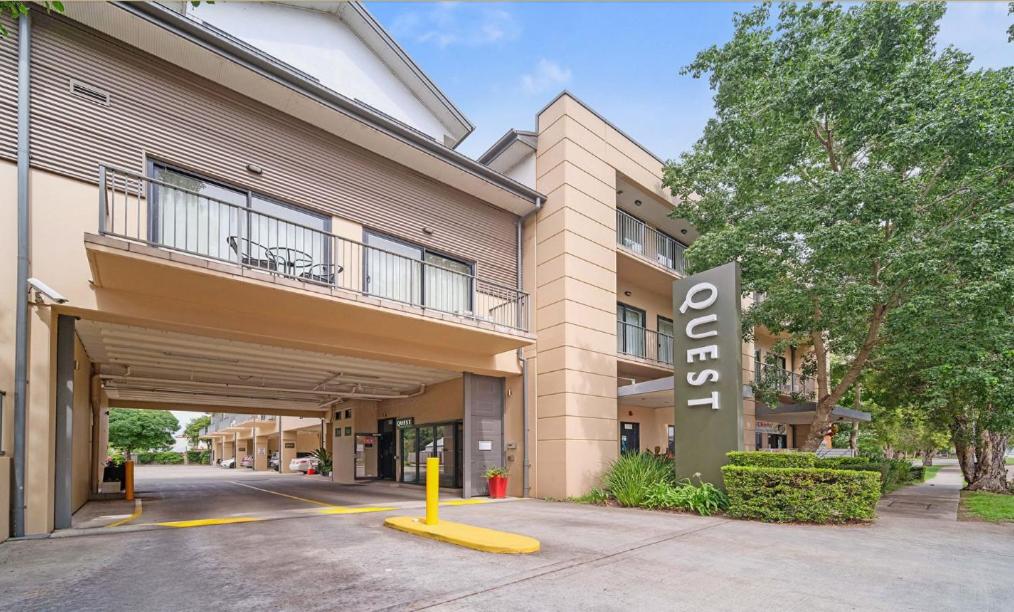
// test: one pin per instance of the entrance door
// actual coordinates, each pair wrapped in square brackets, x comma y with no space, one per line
[420,442]
[387,445]
[630,438]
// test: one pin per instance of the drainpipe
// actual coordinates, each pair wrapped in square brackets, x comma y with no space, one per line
[525,467]
[21,334]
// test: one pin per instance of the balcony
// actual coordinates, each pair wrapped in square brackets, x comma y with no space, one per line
[788,383]
[167,216]
[633,236]
[644,344]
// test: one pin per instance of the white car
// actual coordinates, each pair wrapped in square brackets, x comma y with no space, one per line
[228,463]
[302,464]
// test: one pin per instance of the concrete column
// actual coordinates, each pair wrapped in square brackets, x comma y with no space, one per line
[575,301]
[288,450]
[41,426]
[64,421]
[260,453]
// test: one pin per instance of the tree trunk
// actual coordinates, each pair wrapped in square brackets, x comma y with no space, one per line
[990,472]
[927,457]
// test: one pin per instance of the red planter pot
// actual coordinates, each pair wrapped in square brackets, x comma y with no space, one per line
[497,487]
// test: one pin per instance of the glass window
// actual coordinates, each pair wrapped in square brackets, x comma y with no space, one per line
[189,213]
[297,239]
[671,446]
[630,330]
[448,284]
[409,455]
[408,273]
[665,335]
[631,232]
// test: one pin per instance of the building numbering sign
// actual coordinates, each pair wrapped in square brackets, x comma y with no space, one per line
[707,371]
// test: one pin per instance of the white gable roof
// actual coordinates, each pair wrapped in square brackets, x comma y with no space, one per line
[344,48]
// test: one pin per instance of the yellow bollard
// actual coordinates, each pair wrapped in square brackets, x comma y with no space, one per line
[432,490]
[128,478]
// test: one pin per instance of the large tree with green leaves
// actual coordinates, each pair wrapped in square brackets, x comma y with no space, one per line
[843,146]
[132,430]
[193,429]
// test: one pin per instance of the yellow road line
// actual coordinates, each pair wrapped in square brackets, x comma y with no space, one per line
[209,521]
[464,502]
[353,509]
[124,521]
[303,499]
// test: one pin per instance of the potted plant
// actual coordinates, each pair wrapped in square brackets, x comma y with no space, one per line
[324,464]
[496,478]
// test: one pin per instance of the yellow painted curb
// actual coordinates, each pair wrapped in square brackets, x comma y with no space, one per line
[210,521]
[353,510]
[465,502]
[478,538]
[136,513]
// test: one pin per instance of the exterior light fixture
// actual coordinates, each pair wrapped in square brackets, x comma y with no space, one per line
[683,231]
[427,231]
[637,202]
[254,169]
[626,293]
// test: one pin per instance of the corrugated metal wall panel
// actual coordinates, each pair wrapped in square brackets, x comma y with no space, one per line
[9,91]
[164,112]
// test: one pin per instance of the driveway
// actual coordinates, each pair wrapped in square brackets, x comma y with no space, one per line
[592,558]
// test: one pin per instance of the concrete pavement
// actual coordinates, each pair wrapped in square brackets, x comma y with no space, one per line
[592,558]
[937,498]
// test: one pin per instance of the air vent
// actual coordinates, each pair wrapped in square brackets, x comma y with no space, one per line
[88,92]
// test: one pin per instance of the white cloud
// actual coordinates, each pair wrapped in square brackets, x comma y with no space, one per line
[980,28]
[547,75]
[450,23]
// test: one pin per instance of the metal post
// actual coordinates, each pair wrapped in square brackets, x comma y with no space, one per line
[64,421]
[128,479]
[432,490]
[21,328]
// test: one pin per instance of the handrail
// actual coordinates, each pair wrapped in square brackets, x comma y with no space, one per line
[637,237]
[644,343]
[136,207]
[788,381]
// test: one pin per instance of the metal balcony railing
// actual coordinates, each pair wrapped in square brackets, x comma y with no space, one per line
[789,383]
[139,208]
[634,236]
[643,343]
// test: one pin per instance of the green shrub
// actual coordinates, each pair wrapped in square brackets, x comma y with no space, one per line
[918,473]
[629,477]
[162,457]
[767,459]
[595,496]
[199,456]
[809,495]
[703,498]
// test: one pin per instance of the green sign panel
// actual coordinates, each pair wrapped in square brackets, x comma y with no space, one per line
[707,371]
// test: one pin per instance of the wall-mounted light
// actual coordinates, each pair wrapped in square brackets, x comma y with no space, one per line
[626,293]
[428,231]
[637,202]
[683,231]
[254,169]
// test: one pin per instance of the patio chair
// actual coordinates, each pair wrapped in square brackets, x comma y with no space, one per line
[322,273]
[254,255]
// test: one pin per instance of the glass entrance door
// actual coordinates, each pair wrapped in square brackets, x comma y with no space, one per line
[420,442]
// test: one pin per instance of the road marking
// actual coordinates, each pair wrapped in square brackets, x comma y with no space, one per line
[464,502]
[209,521]
[124,521]
[353,509]
[309,501]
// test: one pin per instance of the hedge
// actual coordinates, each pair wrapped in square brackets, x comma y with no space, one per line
[164,457]
[766,459]
[811,495]
[199,456]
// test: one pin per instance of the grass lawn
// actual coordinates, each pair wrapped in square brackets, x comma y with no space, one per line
[931,471]
[995,507]
[1010,460]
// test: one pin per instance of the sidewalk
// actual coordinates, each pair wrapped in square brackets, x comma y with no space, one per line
[936,498]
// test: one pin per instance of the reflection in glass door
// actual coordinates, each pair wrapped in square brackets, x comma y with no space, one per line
[409,455]
[420,442]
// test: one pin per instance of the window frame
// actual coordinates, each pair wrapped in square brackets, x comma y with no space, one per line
[424,250]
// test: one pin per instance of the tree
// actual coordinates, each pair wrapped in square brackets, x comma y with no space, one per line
[194,427]
[843,146]
[131,429]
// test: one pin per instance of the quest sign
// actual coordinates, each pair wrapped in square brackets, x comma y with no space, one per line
[707,371]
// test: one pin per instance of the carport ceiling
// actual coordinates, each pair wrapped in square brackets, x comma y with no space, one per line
[149,365]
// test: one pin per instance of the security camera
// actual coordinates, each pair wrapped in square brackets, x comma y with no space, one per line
[44,289]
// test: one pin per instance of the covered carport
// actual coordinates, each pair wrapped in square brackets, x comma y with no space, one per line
[269,398]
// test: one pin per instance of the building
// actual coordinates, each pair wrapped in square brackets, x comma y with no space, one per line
[278,230]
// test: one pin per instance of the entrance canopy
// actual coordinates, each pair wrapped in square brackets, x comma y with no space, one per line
[142,367]
[658,393]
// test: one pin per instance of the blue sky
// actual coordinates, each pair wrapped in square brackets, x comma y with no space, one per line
[500,63]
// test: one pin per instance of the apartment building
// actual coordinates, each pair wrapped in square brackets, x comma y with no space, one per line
[274,226]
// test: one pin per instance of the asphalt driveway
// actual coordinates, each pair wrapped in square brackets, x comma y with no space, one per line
[592,558]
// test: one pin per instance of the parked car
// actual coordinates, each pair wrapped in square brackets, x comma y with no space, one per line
[274,461]
[247,462]
[228,463]
[302,462]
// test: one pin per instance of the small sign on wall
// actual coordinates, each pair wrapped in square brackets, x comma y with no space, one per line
[485,445]
[290,445]
[405,422]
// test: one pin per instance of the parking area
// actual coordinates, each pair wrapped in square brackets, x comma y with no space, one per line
[592,558]
[197,495]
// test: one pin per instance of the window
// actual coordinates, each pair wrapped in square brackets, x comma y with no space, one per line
[671,446]
[665,336]
[405,272]
[631,232]
[630,330]
[197,215]
[758,367]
